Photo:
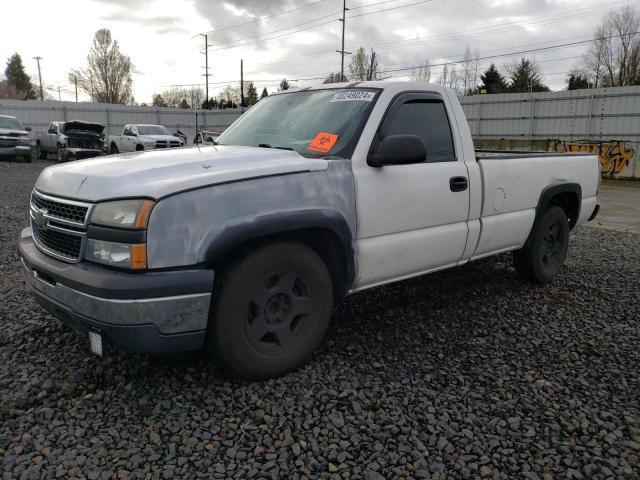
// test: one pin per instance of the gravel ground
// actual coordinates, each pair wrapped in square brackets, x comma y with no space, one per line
[463,374]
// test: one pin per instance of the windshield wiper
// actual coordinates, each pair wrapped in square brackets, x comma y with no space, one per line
[266,145]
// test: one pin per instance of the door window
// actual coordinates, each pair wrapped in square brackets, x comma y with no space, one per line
[425,117]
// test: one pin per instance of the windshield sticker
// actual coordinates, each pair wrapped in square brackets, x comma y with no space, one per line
[323,142]
[354,96]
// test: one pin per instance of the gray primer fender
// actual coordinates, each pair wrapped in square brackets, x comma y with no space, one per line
[199,226]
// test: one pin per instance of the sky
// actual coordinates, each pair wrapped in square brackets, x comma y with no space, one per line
[296,39]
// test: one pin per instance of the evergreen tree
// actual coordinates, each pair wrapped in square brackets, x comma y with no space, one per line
[493,81]
[17,77]
[264,93]
[184,104]
[284,85]
[578,81]
[251,94]
[524,77]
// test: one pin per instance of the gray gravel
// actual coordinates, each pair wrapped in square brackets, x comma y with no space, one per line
[469,373]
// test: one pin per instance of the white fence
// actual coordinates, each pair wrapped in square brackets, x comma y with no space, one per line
[604,121]
[38,115]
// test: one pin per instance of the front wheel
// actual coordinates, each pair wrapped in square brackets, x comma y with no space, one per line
[270,311]
[542,258]
[114,149]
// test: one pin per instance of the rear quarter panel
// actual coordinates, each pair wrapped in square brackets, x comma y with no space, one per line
[512,189]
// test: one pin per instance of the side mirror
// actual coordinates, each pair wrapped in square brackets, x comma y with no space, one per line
[398,150]
[28,129]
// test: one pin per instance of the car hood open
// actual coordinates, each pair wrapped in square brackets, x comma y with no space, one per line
[158,173]
[78,125]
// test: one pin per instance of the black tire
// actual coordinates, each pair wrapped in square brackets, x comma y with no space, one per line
[270,311]
[41,154]
[60,156]
[543,256]
[26,158]
[114,149]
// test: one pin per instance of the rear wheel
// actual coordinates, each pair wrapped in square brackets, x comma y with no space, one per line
[541,260]
[26,158]
[270,310]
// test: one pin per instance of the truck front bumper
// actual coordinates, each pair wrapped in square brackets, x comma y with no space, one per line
[135,312]
[81,153]
[17,151]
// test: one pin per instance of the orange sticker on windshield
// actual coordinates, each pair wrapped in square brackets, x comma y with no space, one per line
[323,142]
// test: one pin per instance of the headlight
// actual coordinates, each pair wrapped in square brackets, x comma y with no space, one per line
[151,143]
[132,214]
[116,254]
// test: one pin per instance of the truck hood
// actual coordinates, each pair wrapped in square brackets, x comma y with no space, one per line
[9,132]
[158,173]
[79,125]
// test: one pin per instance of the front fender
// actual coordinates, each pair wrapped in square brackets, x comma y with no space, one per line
[200,226]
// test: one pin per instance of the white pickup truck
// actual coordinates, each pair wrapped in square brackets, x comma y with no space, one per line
[242,247]
[139,137]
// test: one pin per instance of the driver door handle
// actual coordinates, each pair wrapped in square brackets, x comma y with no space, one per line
[458,184]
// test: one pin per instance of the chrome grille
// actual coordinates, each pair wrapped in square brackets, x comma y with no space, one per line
[62,244]
[59,226]
[60,209]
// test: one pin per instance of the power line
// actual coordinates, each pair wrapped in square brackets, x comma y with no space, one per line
[468,33]
[266,17]
[309,27]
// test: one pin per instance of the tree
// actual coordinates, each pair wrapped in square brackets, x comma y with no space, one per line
[422,74]
[470,71]
[196,95]
[449,77]
[493,81]
[107,78]
[578,80]
[158,100]
[250,94]
[335,78]
[284,85]
[264,93]
[184,104]
[524,77]
[364,66]
[17,77]
[9,91]
[229,97]
[613,57]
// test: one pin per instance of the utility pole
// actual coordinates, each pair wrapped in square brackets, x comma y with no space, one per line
[341,51]
[241,84]
[75,81]
[37,59]
[206,66]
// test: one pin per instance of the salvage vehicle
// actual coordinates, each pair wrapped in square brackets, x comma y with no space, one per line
[14,139]
[242,248]
[72,140]
[139,137]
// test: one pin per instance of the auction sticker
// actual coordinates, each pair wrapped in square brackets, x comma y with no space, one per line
[354,96]
[323,142]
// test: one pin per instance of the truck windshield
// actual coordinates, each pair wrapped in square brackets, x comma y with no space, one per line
[313,123]
[10,122]
[152,130]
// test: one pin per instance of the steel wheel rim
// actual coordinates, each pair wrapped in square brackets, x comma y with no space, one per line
[278,312]
[552,245]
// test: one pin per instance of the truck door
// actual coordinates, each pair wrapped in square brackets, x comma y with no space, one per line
[412,218]
[128,139]
[51,138]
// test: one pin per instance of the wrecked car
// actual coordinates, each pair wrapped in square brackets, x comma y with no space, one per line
[73,140]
